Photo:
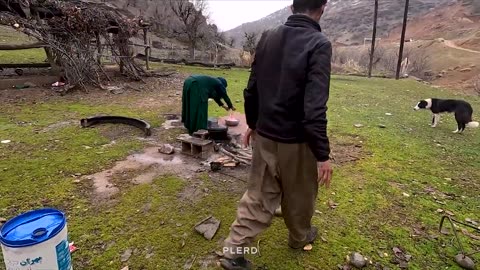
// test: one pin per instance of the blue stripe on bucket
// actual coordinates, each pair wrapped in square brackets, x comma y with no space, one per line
[32,228]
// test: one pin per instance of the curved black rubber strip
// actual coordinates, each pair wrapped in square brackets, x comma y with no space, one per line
[144,126]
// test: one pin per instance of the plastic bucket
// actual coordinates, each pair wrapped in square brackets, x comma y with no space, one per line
[36,240]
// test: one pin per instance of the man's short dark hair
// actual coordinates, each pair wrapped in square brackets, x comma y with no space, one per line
[302,6]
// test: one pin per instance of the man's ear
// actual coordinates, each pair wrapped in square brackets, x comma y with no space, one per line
[291,8]
[323,8]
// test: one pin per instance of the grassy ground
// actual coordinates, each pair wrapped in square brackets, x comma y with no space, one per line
[23,57]
[10,36]
[373,215]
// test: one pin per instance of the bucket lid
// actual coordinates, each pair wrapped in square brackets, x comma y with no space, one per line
[32,228]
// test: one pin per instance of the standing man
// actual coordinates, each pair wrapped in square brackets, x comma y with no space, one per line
[197,89]
[285,105]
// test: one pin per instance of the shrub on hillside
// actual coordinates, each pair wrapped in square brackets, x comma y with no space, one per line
[476,84]
[384,61]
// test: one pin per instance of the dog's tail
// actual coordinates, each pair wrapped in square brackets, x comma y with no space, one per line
[473,125]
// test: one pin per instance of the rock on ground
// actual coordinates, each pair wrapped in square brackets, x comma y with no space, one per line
[465,262]
[208,227]
[357,260]
[126,255]
[166,149]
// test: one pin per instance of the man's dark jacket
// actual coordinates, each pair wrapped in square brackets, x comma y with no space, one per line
[287,93]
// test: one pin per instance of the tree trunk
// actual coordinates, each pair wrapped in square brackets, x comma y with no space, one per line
[51,59]
[374,39]
[147,48]
[402,40]
[192,52]
[216,55]
[8,47]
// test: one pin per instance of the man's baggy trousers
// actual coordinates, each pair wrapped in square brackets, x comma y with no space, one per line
[281,174]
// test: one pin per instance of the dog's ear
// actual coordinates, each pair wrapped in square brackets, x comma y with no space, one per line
[423,104]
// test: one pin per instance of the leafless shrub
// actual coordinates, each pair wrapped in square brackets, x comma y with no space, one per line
[343,55]
[73,38]
[384,60]
[353,66]
[476,84]
[377,57]
[389,62]
[346,60]
[419,62]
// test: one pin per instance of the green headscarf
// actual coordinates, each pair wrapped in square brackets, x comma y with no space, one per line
[223,81]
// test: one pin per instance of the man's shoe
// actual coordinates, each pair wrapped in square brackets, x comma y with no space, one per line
[236,264]
[311,237]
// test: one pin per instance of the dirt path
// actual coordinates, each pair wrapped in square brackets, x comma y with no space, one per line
[452,45]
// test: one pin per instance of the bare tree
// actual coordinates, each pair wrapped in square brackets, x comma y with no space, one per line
[250,43]
[162,20]
[211,40]
[231,42]
[191,14]
[219,37]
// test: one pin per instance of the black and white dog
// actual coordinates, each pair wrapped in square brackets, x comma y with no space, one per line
[462,109]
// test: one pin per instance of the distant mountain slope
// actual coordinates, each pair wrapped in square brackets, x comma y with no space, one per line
[348,21]
[456,22]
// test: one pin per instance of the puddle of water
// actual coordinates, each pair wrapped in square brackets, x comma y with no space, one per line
[155,158]
[150,164]
[145,178]
[171,124]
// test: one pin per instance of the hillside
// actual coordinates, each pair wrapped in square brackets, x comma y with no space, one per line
[457,22]
[348,22]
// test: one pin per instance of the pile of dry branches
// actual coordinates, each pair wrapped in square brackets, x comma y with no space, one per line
[73,33]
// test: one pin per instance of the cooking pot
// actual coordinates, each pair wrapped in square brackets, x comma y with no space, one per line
[218,133]
[212,122]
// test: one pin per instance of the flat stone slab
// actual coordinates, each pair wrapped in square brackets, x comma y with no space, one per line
[208,227]
[202,134]
[194,140]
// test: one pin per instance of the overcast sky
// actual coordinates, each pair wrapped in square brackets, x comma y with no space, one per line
[228,14]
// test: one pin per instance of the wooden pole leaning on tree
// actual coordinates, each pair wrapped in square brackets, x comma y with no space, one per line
[374,39]
[147,48]
[402,40]
[99,48]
